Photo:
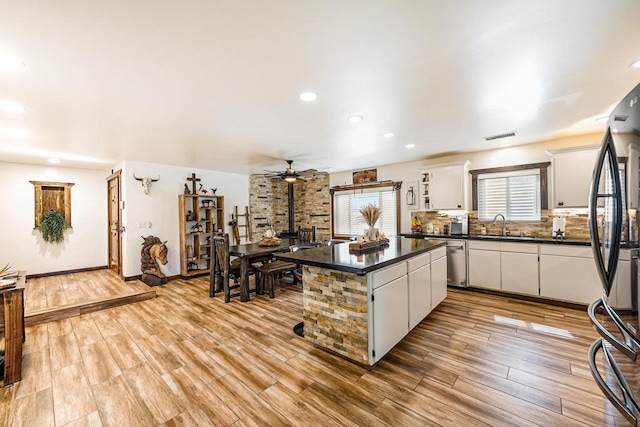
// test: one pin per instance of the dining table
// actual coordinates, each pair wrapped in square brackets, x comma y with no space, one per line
[253,252]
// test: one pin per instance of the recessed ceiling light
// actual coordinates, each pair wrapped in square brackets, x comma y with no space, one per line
[387,135]
[409,146]
[635,64]
[54,161]
[602,119]
[308,96]
[10,63]
[504,145]
[355,119]
[11,107]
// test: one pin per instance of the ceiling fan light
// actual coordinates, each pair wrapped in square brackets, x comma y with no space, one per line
[290,178]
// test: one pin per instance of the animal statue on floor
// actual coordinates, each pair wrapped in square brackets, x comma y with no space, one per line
[152,248]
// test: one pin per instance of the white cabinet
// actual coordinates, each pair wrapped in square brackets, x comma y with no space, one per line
[390,313]
[620,296]
[519,268]
[438,276]
[402,295]
[569,273]
[445,186]
[572,172]
[419,289]
[484,265]
[506,266]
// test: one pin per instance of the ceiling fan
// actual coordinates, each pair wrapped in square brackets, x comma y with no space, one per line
[290,174]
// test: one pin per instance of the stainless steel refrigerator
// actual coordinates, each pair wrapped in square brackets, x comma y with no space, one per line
[613,203]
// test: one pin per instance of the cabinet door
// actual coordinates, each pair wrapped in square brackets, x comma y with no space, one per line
[520,273]
[569,278]
[390,315]
[572,176]
[484,269]
[438,281]
[419,294]
[447,187]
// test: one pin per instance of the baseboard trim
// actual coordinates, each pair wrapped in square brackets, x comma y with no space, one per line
[531,298]
[58,273]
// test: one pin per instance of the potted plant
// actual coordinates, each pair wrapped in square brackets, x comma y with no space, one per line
[52,227]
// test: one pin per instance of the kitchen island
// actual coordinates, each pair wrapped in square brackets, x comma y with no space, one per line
[361,305]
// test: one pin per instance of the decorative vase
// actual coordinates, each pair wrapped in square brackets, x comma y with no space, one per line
[371,233]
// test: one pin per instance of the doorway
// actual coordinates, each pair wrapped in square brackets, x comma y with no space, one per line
[114,195]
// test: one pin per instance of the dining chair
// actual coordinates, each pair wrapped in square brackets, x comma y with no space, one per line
[306,235]
[225,270]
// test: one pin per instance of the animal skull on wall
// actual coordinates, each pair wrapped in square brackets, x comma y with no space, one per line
[146,182]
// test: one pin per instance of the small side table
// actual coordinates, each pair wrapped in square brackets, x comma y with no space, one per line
[12,327]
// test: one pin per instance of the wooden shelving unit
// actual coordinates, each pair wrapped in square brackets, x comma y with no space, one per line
[199,216]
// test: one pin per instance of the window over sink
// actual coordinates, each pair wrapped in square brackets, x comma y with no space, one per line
[517,192]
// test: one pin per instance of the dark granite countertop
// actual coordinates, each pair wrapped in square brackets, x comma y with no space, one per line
[338,257]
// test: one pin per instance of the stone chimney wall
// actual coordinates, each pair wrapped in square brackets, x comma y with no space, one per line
[268,201]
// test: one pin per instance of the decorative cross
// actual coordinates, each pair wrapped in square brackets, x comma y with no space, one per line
[193,180]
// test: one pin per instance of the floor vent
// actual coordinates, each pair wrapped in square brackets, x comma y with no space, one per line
[500,136]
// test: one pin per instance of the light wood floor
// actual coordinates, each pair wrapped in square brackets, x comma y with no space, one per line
[62,296]
[186,359]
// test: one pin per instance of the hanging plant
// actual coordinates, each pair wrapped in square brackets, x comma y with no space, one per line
[52,227]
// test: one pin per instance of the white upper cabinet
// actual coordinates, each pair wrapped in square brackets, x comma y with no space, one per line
[445,186]
[572,170]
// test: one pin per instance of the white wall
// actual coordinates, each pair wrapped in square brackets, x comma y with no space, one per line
[160,207]
[522,154]
[84,246]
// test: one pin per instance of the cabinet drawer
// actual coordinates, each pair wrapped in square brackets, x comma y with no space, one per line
[388,274]
[572,251]
[524,248]
[438,253]
[484,246]
[419,261]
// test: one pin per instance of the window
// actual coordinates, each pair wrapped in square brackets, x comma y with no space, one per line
[347,219]
[515,196]
[517,192]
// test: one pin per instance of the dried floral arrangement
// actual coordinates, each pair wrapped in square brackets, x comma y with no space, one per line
[371,213]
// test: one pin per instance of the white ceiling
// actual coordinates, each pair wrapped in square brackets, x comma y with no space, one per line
[214,84]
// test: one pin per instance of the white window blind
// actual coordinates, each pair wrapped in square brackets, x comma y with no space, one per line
[516,195]
[348,220]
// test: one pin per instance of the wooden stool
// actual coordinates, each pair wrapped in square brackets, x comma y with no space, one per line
[269,271]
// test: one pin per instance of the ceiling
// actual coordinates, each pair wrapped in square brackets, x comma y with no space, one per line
[215,84]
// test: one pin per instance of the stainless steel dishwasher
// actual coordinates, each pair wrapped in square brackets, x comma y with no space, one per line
[457,263]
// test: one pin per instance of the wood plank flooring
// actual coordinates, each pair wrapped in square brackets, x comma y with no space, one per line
[185,359]
[58,297]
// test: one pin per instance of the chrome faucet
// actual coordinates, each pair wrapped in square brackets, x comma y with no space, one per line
[505,232]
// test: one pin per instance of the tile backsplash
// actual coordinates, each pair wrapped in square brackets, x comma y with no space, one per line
[576,228]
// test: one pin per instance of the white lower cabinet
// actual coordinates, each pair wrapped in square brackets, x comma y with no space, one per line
[402,295]
[390,314]
[519,268]
[484,265]
[419,289]
[569,273]
[438,276]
